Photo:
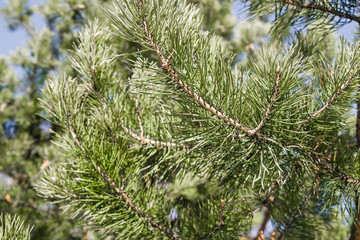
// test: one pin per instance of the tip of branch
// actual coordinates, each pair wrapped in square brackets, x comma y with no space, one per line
[278,69]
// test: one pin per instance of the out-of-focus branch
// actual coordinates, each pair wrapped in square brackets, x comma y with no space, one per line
[322,9]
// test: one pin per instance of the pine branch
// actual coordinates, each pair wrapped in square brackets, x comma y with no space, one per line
[76,10]
[219,227]
[328,167]
[139,118]
[152,142]
[322,9]
[323,164]
[355,228]
[119,191]
[149,141]
[173,74]
[76,197]
[28,28]
[11,227]
[270,198]
[271,102]
[298,212]
[328,103]
[211,234]
[141,139]
[251,213]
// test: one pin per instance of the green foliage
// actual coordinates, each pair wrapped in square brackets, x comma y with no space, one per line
[317,14]
[25,138]
[165,133]
[13,228]
[17,13]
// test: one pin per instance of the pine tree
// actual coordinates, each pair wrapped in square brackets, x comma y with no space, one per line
[173,138]
[25,145]
[25,138]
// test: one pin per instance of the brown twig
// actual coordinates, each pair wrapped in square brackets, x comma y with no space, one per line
[322,8]
[149,141]
[260,235]
[221,222]
[173,74]
[119,192]
[251,213]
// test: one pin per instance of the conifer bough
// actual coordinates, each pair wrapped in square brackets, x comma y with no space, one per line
[187,146]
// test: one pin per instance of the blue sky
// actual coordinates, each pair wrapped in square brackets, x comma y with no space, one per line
[10,40]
